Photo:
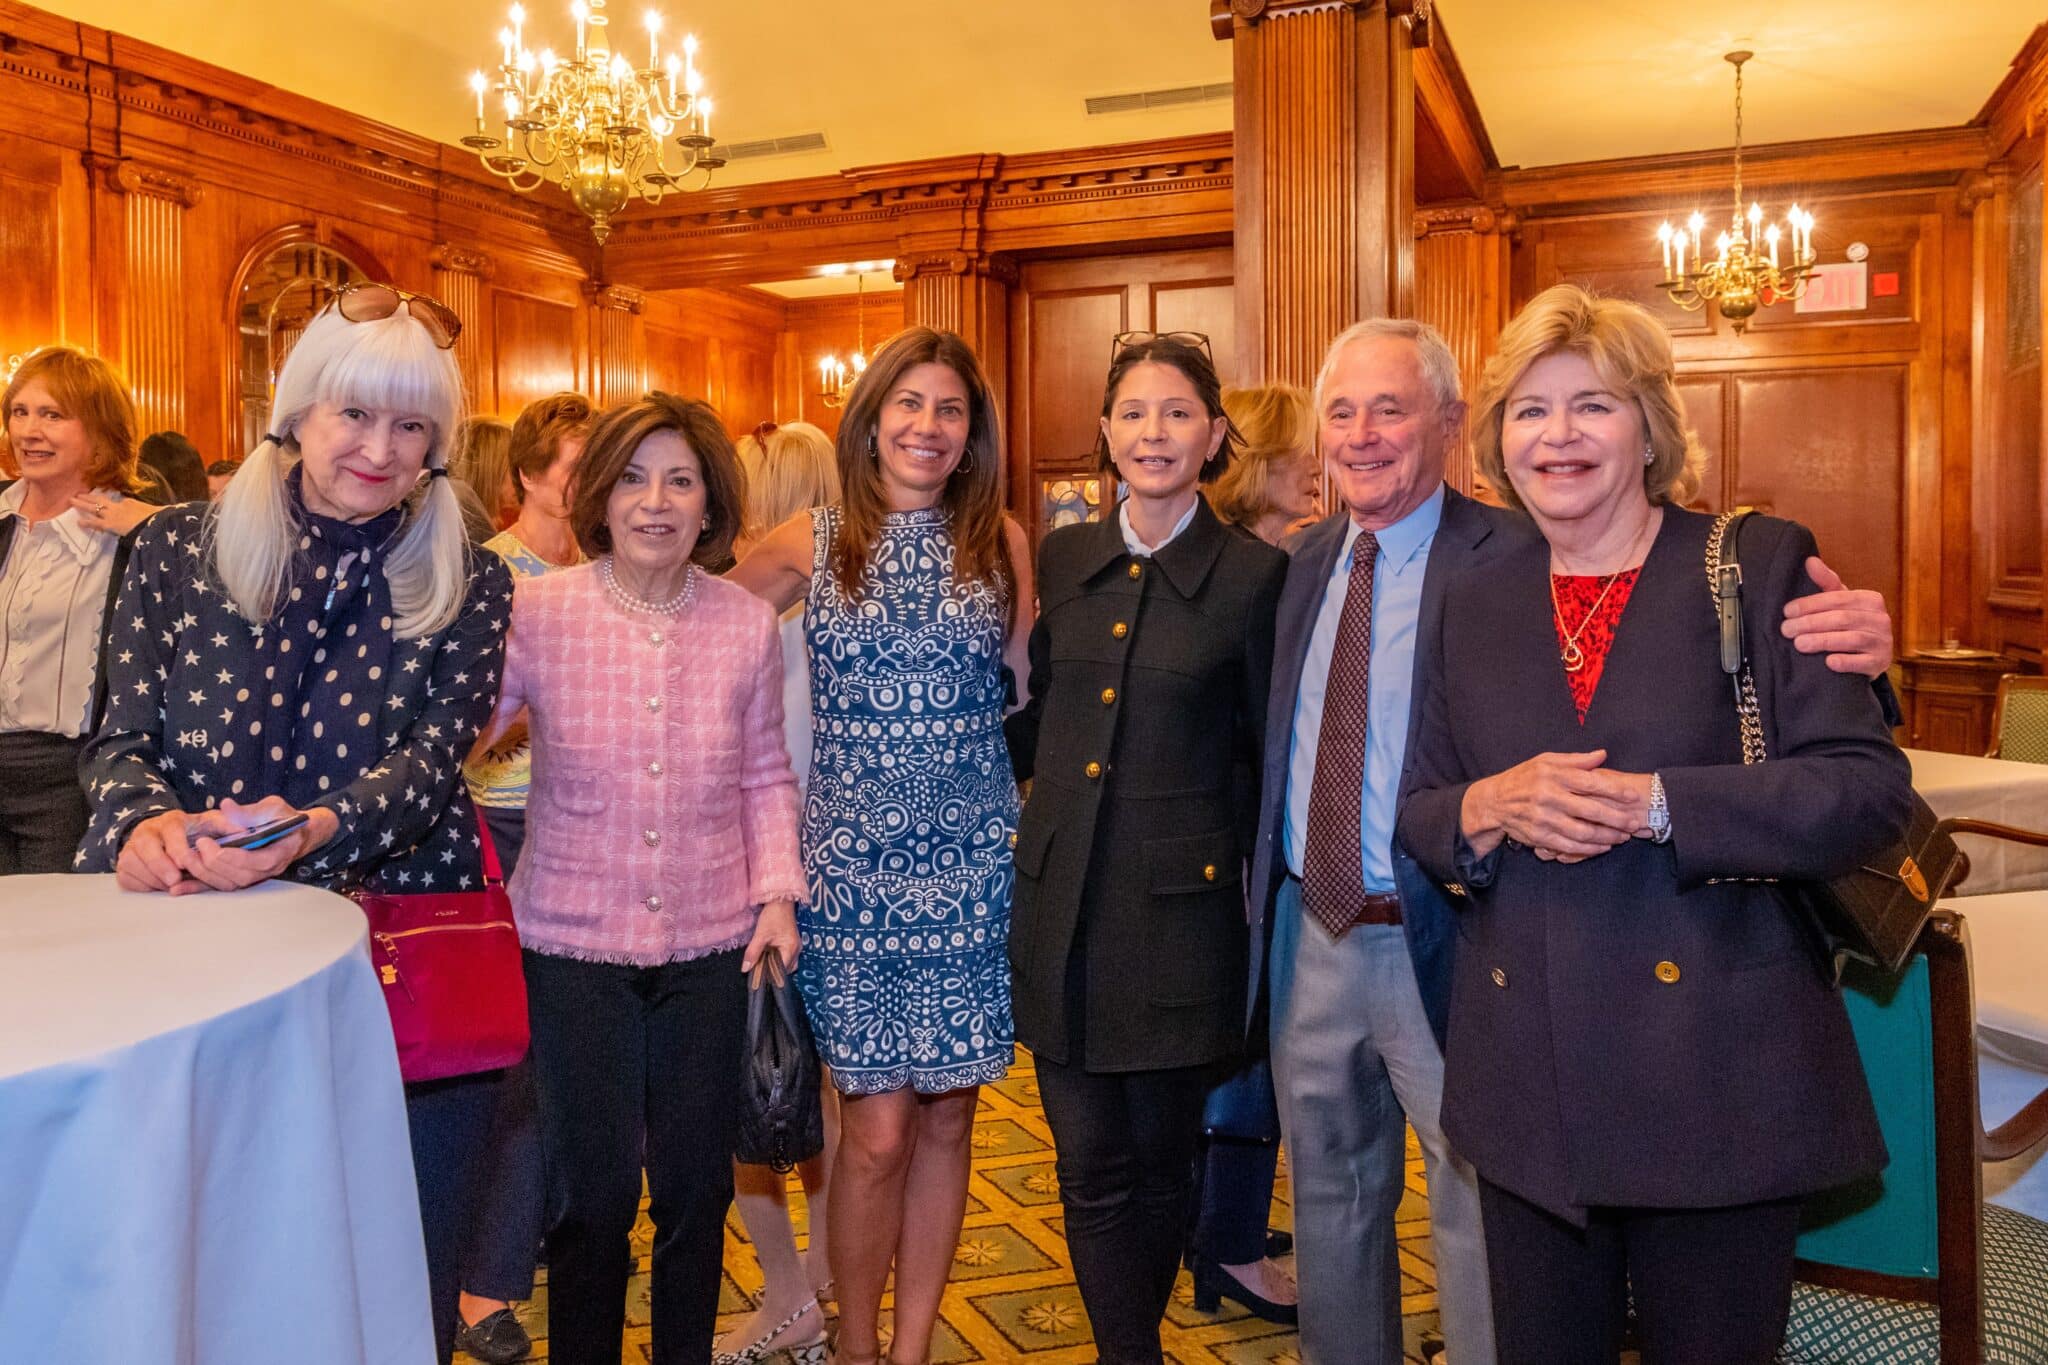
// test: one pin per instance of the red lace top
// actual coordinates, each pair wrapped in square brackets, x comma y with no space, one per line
[1579,600]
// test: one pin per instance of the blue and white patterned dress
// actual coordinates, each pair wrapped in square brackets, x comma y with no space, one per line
[908,819]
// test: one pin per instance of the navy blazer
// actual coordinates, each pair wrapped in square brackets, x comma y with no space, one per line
[1468,530]
[1647,1027]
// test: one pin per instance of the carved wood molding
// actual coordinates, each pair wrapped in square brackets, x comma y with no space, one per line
[455,258]
[618,298]
[1482,219]
[924,265]
[1227,16]
[1981,186]
[128,176]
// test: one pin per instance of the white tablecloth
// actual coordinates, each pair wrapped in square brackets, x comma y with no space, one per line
[1989,789]
[2009,969]
[203,1150]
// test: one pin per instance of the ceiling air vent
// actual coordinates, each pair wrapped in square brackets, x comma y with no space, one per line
[1158,99]
[772,146]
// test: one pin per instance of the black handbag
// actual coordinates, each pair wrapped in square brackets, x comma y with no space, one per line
[781,1120]
[1875,913]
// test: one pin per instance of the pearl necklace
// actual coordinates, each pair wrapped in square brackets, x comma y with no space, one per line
[673,607]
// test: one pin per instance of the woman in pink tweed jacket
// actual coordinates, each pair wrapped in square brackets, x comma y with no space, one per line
[660,862]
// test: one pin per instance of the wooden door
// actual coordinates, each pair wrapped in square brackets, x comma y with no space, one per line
[1063,317]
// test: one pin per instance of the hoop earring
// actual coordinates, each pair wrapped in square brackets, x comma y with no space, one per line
[874,450]
[966,465]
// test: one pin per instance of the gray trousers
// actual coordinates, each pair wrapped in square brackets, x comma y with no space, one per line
[1353,1056]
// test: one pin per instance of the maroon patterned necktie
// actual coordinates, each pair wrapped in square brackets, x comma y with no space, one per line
[1332,866]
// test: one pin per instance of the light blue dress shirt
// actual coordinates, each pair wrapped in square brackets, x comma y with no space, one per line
[1396,607]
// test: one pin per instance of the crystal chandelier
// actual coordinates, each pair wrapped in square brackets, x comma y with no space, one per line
[837,377]
[1745,274]
[591,123]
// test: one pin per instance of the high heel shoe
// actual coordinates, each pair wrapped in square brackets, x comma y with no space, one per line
[1213,1284]
[768,1343]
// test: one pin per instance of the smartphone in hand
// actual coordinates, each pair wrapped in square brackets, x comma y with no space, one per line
[262,836]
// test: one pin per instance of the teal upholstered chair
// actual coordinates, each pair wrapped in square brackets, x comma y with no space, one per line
[1913,1265]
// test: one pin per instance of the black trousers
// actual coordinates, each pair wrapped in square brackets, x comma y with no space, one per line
[505,1231]
[633,1061]
[43,813]
[1125,1150]
[448,1122]
[1711,1286]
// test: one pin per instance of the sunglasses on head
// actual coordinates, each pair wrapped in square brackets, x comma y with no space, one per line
[365,302]
[1123,341]
[763,432]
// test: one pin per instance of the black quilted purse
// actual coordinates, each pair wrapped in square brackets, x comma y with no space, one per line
[781,1120]
[1875,913]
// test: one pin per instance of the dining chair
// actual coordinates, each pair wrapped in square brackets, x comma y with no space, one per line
[1912,1265]
[2019,719]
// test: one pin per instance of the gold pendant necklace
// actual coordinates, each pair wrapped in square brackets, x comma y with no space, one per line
[1575,658]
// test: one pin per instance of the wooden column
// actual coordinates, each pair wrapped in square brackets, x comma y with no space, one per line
[618,346]
[460,273]
[1325,172]
[964,292]
[153,302]
[1461,289]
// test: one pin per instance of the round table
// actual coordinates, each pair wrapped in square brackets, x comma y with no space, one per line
[2008,966]
[203,1133]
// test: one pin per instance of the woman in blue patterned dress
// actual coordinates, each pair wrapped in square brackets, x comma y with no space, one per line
[917,598]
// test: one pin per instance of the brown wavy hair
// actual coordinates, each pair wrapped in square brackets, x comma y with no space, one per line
[87,388]
[539,431]
[619,431]
[973,498]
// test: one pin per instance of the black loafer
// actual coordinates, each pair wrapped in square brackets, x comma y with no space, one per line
[1213,1284]
[1278,1243]
[497,1340]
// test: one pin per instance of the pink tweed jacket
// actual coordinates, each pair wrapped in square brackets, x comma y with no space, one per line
[662,811]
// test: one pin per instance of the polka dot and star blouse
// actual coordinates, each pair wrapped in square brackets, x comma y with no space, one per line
[321,705]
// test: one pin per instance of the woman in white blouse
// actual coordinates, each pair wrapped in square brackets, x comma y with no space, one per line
[71,431]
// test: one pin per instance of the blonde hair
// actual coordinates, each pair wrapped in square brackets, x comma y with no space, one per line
[390,363]
[85,387]
[1630,351]
[1277,427]
[789,469]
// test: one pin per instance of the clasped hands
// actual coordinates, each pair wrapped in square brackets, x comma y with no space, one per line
[178,852]
[1564,807]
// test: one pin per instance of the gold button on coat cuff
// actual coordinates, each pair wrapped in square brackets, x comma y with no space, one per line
[1667,972]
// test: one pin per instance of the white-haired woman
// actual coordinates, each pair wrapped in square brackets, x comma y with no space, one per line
[319,642]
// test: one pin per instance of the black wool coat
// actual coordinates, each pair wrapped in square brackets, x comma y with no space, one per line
[1128,939]
[1648,1027]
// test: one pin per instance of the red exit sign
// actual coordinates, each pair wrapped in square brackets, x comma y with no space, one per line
[1837,288]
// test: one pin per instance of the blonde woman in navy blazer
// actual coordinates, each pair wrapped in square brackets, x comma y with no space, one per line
[1647,1064]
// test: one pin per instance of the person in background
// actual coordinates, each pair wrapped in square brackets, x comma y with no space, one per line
[917,597]
[321,642]
[661,863]
[1273,486]
[789,469]
[1149,665]
[1649,1063]
[70,428]
[176,461]
[482,462]
[547,441]
[217,475]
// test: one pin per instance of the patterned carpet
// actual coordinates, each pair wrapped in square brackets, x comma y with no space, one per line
[1012,1296]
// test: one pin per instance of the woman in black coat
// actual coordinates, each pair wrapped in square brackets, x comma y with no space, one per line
[1128,940]
[1647,1062]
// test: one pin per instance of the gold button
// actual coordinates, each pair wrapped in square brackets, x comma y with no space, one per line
[1093,769]
[1135,570]
[652,903]
[1209,873]
[1500,978]
[1119,630]
[1013,838]
[652,836]
[1109,696]
[1667,972]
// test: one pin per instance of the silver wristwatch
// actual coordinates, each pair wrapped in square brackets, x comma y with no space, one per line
[1660,811]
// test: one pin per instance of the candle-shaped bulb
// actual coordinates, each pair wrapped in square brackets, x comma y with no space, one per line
[505,42]
[693,84]
[477,83]
[653,40]
[1771,239]
[690,45]
[825,371]
[519,16]
[1664,233]
[619,70]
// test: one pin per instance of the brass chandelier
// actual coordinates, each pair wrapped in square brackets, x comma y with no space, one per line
[591,123]
[1746,273]
[837,377]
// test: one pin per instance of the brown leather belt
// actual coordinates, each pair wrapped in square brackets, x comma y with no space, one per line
[1382,907]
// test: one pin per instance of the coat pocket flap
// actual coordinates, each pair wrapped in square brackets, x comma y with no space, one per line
[1194,862]
[1033,838]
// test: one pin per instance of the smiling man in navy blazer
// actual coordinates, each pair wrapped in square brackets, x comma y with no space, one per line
[1360,938]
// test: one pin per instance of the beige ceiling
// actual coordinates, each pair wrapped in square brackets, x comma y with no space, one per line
[889,80]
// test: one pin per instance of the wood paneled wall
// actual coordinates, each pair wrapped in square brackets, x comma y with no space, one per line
[815,328]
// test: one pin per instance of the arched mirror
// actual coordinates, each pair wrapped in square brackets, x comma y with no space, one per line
[281,293]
